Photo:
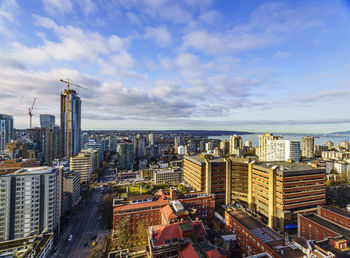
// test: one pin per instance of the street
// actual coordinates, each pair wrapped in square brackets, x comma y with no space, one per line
[86,227]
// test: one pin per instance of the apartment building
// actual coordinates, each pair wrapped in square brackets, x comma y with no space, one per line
[71,185]
[262,149]
[308,147]
[84,163]
[282,150]
[30,202]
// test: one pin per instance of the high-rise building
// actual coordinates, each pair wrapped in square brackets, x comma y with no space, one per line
[206,173]
[6,130]
[282,150]
[248,143]
[151,139]
[209,146]
[75,124]
[30,201]
[126,152]
[16,149]
[261,153]
[176,143]
[181,150]
[307,147]
[99,148]
[47,121]
[46,144]
[139,146]
[279,190]
[330,144]
[84,139]
[84,163]
[236,145]
[225,147]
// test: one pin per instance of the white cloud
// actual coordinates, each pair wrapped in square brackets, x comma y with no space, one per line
[54,7]
[160,35]
[268,25]
[282,54]
[74,44]
[8,9]
[87,6]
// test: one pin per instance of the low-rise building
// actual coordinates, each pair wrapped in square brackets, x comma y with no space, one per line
[254,237]
[172,176]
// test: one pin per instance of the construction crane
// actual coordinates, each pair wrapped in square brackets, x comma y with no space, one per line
[31,114]
[68,110]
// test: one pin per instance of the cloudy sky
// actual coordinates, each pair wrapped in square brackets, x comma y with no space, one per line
[184,64]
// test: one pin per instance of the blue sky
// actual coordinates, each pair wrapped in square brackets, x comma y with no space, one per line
[187,64]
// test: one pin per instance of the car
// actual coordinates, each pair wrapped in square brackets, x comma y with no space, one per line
[70,238]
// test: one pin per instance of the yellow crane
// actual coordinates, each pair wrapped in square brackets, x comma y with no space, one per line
[68,110]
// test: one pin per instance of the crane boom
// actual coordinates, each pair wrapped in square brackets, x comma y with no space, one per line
[33,104]
[30,112]
[76,85]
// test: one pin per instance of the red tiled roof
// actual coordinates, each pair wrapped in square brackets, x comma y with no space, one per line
[188,252]
[215,254]
[160,202]
[171,231]
[166,232]
[167,213]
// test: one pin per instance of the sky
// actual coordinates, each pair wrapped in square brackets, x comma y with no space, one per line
[279,66]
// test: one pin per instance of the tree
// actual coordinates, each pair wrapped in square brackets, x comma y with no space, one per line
[123,234]
[142,233]
[182,188]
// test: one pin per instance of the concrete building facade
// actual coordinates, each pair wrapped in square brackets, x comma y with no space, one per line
[30,201]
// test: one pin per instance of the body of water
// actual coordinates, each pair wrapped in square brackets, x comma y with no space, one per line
[320,139]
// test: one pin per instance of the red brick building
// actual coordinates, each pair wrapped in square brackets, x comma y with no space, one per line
[176,240]
[254,237]
[149,210]
[328,223]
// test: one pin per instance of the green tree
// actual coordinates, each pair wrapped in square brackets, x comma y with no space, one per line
[182,188]
[123,234]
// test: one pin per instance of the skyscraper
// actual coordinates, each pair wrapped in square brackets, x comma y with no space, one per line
[47,121]
[6,130]
[151,139]
[176,143]
[307,147]
[32,202]
[126,152]
[74,126]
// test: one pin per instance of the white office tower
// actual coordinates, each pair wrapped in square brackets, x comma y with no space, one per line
[282,150]
[30,201]
[181,150]
[176,143]
[209,146]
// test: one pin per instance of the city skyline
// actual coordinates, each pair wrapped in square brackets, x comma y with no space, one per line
[263,66]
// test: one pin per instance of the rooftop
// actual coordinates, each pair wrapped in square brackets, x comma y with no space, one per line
[32,170]
[337,210]
[262,232]
[199,159]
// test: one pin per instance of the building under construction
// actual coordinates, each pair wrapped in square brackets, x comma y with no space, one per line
[73,105]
